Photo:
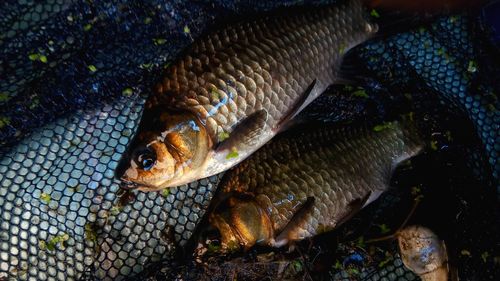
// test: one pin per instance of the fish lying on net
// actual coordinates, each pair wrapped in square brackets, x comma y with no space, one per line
[235,88]
[308,181]
[61,56]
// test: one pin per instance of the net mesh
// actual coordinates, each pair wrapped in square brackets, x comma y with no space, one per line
[451,59]
[74,79]
[63,212]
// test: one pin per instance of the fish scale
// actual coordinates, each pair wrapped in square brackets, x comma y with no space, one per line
[262,64]
[235,88]
[65,83]
[337,167]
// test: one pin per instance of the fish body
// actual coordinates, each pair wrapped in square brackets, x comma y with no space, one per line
[235,88]
[307,181]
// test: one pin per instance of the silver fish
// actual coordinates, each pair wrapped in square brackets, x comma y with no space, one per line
[235,88]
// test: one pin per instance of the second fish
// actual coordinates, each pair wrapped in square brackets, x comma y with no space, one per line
[308,180]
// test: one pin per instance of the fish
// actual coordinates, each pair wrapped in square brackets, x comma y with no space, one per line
[235,88]
[424,253]
[308,180]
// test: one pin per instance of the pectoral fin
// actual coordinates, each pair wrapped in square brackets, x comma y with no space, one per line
[291,231]
[246,133]
[296,107]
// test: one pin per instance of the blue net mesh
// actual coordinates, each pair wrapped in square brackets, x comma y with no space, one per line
[75,75]
[449,58]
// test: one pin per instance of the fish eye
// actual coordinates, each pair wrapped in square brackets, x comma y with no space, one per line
[146,158]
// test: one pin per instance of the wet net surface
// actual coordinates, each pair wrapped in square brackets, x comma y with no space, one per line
[453,59]
[63,213]
[77,73]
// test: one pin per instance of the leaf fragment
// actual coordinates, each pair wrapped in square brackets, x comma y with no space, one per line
[472,66]
[383,126]
[33,57]
[92,68]
[90,233]
[159,41]
[51,245]
[45,197]
[38,57]
[383,228]
[434,145]
[374,13]
[232,154]
[223,136]
[360,243]
[115,210]
[213,248]
[360,93]
[165,192]
[127,92]
[297,266]
[4,121]
[465,252]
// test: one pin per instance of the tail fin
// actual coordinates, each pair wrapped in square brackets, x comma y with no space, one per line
[389,20]
[401,14]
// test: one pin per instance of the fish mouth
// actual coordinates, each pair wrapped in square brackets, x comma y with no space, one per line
[128,185]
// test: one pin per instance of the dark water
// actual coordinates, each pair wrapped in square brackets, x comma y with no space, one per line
[74,76]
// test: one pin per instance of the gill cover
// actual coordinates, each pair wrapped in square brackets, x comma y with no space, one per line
[168,149]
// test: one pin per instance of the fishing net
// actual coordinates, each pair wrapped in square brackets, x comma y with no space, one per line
[62,210]
[452,59]
[74,78]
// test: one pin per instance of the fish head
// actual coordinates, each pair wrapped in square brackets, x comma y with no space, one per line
[241,222]
[167,151]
